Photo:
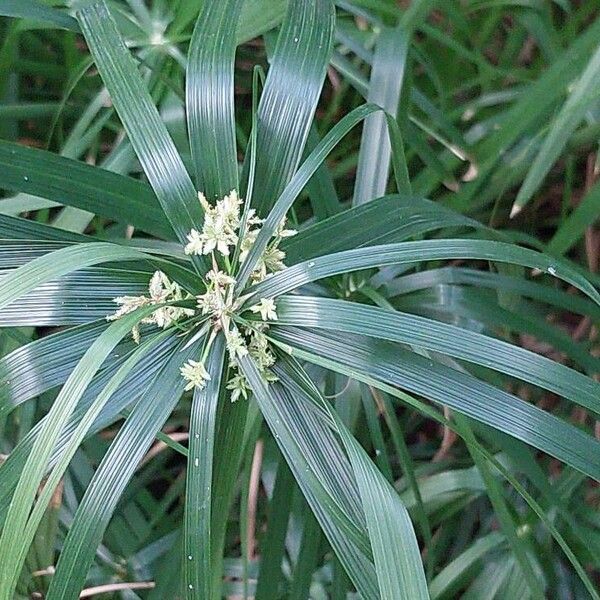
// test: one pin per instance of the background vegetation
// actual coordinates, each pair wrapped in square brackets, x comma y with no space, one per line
[434,432]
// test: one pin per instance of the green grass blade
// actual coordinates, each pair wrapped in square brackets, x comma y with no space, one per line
[33,471]
[197,518]
[339,315]
[113,474]
[585,214]
[383,365]
[505,518]
[579,101]
[297,184]
[406,217]
[272,551]
[209,98]
[40,365]
[451,578]
[322,472]
[415,252]
[59,263]
[78,435]
[290,96]
[127,394]
[77,184]
[38,11]
[395,550]
[147,133]
[387,74]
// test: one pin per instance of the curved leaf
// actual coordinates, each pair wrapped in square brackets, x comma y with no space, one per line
[147,133]
[58,263]
[111,477]
[386,365]
[209,98]
[415,252]
[291,92]
[322,472]
[128,393]
[33,470]
[393,218]
[339,315]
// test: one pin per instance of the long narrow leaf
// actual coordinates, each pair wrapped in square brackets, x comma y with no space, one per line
[388,365]
[197,524]
[338,315]
[149,137]
[291,92]
[209,98]
[414,252]
[115,470]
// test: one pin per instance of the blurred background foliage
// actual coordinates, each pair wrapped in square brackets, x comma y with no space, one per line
[498,102]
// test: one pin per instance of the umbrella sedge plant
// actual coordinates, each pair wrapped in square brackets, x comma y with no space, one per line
[230,309]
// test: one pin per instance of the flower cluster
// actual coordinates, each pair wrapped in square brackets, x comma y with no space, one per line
[219,304]
[221,232]
[161,290]
[224,229]
[221,223]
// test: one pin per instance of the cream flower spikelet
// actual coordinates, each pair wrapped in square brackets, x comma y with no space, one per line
[160,290]
[267,309]
[219,228]
[195,374]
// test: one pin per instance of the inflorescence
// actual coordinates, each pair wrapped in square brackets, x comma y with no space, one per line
[224,230]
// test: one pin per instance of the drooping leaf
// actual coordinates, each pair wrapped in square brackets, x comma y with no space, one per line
[113,474]
[337,315]
[414,252]
[389,366]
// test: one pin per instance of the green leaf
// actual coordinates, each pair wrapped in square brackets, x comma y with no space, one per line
[290,96]
[147,133]
[389,366]
[115,470]
[505,518]
[395,550]
[209,98]
[128,393]
[405,217]
[197,520]
[37,11]
[298,181]
[33,471]
[415,252]
[339,315]
[272,547]
[321,470]
[74,183]
[584,93]
[78,435]
[58,263]
[387,74]
[75,298]
[585,214]
[460,276]
[40,365]
[453,576]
